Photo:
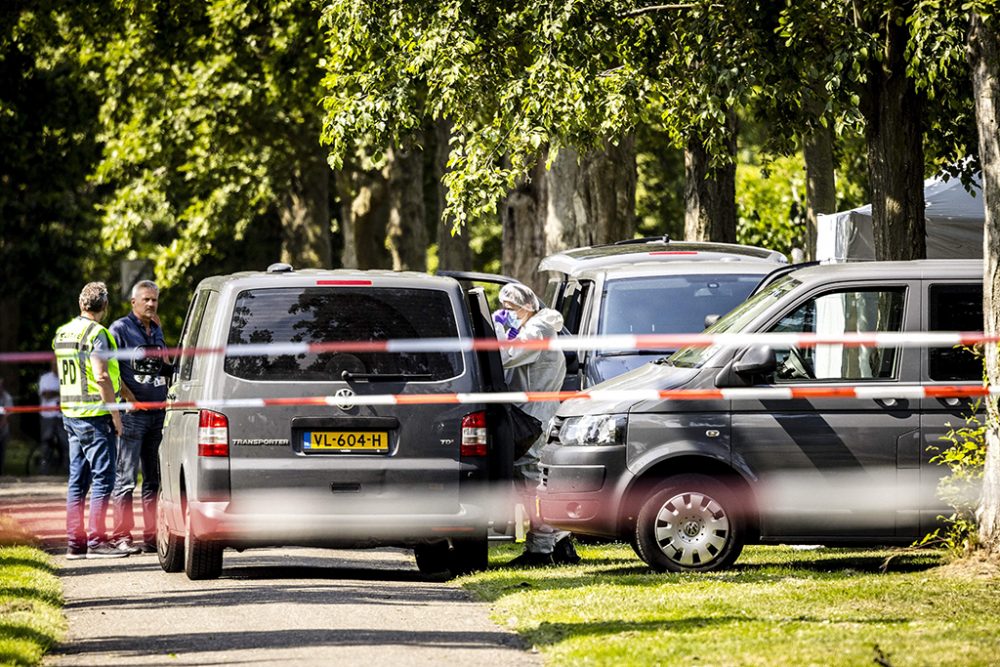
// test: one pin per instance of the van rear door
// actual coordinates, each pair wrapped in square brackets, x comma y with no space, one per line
[341,459]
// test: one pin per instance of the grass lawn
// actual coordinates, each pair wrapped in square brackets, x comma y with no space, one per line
[31,600]
[778,606]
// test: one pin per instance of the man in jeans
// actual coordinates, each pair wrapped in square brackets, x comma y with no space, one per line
[88,382]
[145,379]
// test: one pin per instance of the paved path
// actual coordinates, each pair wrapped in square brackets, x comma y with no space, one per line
[294,606]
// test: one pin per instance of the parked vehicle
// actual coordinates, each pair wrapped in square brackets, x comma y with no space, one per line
[689,482]
[326,475]
[643,286]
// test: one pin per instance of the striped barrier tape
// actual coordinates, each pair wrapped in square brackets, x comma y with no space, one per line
[914,392]
[561,343]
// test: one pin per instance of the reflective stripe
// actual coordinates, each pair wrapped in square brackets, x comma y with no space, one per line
[86,398]
[74,345]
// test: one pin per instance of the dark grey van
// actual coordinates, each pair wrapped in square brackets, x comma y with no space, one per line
[245,473]
[689,482]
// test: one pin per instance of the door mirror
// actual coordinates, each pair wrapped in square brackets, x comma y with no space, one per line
[758,360]
[711,319]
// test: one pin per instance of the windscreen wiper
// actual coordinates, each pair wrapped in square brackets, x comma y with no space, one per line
[627,353]
[385,377]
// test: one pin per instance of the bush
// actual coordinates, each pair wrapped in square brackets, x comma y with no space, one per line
[965,457]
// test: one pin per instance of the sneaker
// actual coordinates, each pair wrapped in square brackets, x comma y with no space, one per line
[126,545]
[76,553]
[148,548]
[106,550]
[532,559]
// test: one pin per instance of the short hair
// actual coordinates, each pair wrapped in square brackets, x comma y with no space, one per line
[94,297]
[144,284]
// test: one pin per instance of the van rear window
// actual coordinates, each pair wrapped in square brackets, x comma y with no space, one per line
[341,314]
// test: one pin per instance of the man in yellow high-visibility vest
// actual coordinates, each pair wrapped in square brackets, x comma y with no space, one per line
[89,381]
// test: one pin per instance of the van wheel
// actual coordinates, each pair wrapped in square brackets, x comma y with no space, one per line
[169,547]
[432,558]
[469,554]
[202,558]
[689,524]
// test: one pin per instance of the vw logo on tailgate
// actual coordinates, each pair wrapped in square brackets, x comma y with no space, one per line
[344,393]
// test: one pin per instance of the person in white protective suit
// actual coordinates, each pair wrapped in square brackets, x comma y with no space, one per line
[535,370]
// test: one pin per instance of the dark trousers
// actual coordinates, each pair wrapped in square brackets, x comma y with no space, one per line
[138,448]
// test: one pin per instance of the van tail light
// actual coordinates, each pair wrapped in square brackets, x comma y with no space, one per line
[474,434]
[213,434]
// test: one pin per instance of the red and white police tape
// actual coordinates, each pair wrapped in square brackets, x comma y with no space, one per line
[883,392]
[561,343]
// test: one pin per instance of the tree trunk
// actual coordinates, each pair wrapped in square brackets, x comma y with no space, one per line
[364,217]
[984,60]
[406,229]
[591,201]
[305,216]
[522,218]
[894,134]
[821,191]
[710,193]
[453,249]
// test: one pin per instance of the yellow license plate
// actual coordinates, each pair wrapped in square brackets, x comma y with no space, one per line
[345,441]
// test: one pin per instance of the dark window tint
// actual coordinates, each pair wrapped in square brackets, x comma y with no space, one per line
[955,308]
[574,296]
[834,314]
[189,337]
[670,304]
[324,314]
[554,290]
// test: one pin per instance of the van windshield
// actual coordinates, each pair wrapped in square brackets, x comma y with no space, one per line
[735,321]
[670,304]
[342,314]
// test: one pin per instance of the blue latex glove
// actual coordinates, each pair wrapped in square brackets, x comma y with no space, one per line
[503,318]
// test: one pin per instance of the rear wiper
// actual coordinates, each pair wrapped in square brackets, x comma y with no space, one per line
[384,377]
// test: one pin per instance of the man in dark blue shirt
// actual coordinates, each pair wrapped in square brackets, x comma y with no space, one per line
[143,379]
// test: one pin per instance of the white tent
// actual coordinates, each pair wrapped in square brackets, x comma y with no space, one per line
[954,225]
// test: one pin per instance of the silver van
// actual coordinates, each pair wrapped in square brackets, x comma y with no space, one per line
[652,285]
[689,482]
[244,473]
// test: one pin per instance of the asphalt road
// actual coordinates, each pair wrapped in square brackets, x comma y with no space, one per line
[293,606]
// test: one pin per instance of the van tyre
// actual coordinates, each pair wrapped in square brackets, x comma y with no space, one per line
[432,558]
[690,523]
[202,558]
[469,554]
[169,547]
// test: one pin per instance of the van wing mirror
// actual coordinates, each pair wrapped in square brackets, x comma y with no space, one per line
[757,360]
[749,366]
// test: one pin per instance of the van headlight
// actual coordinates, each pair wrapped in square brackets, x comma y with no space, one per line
[593,430]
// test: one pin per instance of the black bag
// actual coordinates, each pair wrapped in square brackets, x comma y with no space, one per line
[526,430]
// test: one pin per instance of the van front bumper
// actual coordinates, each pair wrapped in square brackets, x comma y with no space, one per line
[582,487]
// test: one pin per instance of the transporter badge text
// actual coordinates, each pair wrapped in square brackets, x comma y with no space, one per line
[260,442]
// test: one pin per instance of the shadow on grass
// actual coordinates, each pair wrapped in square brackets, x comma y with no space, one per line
[11,560]
[554,633]
[762,567]
[18,631]
[24,593]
